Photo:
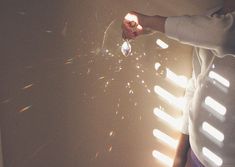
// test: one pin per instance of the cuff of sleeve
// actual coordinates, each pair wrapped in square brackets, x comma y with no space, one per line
[171,27]
[184,129]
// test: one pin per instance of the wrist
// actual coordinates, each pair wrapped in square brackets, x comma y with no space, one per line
[145,22]
[153,23]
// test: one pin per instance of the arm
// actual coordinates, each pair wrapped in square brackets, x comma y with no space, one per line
[216,33]
[144,25]
[181,152]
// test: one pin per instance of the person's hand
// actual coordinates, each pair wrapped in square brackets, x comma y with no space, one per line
[131,27]
[135,24]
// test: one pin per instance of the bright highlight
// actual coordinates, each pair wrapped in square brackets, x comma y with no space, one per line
[178,102]
[219,78]
[219,108]
[162,44]
[165,138]
[131,17]
[212,156]
[181,81]
[175,123]
[157,66]
[162,158]
[212,131]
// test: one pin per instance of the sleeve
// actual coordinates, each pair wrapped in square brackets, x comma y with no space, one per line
[188,97]
[216,33]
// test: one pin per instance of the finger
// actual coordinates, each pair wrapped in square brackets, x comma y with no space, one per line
[131,17]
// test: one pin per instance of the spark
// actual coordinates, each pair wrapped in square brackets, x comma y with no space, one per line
[25,109]
[110,148]
[88,71]
[111,133]
[27,86]
[101,78]
[48,31]
[96,155]
[131,92]
[106,84]
[69,61]
[212,156]
[22,13]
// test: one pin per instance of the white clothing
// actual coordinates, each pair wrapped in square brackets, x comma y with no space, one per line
[214,40]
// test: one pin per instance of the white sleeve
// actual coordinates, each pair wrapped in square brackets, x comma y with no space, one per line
[216,33]
[188,97]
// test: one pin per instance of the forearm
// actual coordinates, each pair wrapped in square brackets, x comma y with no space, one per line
[181,152]
[153,23]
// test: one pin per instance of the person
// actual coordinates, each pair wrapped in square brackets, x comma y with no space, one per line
[213,39]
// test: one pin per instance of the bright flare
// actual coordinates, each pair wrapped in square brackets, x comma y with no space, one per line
[181,81]
[219,108]
[165,138]
[212,156]
[162,44]
[178,102]
[212,131]
[162,158]
[175,123]
[219,78]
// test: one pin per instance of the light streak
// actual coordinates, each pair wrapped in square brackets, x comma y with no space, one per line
[212,156]
[165,138]
[27,87]
[25,109]
[173,122]
[213,104]
[212,131]
[219,78]
[162,44]
[162,158]
[178,102]
[181,81]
